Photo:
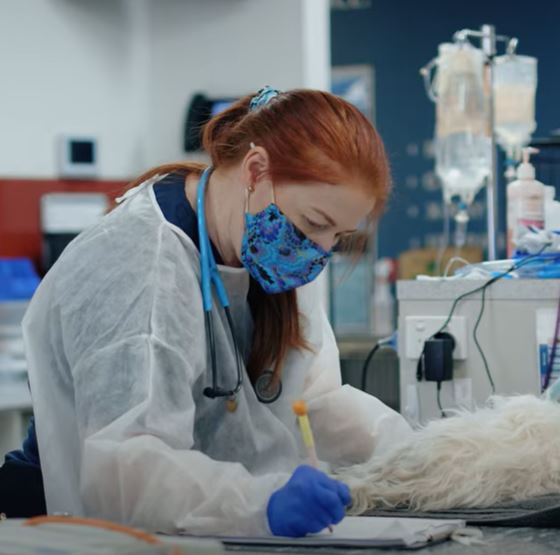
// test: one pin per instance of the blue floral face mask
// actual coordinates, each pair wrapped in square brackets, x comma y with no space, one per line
[277,254]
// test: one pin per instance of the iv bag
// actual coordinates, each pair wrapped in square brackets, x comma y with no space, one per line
[461,102]
[515,85]
[463,162]
[463,146]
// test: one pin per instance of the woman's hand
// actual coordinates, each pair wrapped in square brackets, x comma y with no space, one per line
[309,502]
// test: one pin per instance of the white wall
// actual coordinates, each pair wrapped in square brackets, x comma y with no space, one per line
[230,47]
[124,71]
[67,66]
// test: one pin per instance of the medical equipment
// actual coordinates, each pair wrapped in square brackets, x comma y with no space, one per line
[462,143]
[277,255]
[515,84]
[300,410]
[210,274]
[266,389]
[470,93]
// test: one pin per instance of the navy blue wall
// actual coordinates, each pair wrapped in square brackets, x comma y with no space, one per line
[398,37]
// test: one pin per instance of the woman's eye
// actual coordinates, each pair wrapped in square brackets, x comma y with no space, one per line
[315,225]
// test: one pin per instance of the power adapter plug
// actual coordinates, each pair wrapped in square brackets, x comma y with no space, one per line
[436,362]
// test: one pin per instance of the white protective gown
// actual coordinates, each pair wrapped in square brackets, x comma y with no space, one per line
[117,364]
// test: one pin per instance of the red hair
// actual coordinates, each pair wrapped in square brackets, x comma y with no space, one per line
[310,136]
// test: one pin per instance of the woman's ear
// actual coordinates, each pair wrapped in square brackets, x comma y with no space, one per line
[255,166]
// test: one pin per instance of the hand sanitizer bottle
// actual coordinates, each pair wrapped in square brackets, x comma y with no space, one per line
[525,202]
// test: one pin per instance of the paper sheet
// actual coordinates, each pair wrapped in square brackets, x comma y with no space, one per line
[365,531]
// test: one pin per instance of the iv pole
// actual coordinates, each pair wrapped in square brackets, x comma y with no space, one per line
[489,48]
[488,39]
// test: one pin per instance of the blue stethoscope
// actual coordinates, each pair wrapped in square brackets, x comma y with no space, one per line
[210,275]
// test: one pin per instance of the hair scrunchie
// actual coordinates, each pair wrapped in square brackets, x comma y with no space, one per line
[263,96]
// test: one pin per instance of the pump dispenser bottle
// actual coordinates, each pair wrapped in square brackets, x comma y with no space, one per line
[525,202]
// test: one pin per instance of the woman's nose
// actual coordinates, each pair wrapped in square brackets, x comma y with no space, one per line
[327,242]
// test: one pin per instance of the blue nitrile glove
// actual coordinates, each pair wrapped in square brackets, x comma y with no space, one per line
[309,502]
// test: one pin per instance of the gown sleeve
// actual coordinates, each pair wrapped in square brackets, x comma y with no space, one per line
[350,426]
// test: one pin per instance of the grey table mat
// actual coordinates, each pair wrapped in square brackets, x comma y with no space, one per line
[538,512]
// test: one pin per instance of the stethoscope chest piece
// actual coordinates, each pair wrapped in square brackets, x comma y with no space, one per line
[266,391]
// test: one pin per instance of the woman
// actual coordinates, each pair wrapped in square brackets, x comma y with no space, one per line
[136,421]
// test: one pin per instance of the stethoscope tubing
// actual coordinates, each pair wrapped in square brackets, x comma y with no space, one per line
[210,275]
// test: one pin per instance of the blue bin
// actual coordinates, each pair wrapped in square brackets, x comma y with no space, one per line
[18,279]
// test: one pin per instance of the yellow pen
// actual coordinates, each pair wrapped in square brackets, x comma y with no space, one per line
[300,409]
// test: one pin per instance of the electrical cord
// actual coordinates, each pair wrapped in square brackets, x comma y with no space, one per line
[438,397]
[513,267]
[494,279]
[389,342]
[482,288]
[479,348]
[371,354]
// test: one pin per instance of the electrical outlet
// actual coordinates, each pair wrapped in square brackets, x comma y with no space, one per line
[420,328]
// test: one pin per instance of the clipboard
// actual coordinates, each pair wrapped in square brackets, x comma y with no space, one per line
[366,532]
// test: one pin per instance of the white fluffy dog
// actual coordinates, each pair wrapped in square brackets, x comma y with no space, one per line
[507,451]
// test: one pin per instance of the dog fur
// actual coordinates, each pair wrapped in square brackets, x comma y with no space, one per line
[506,451]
